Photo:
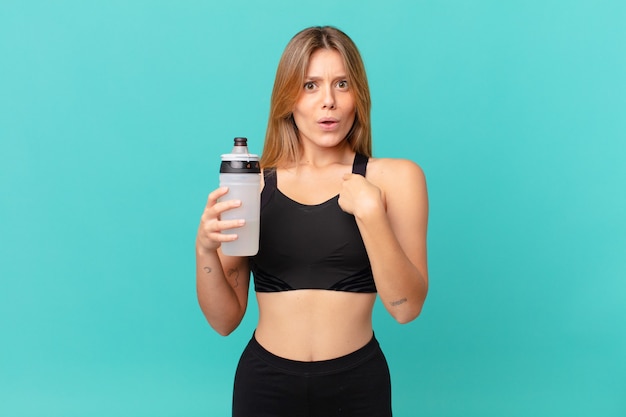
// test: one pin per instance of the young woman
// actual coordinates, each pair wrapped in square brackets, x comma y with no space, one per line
[338,227]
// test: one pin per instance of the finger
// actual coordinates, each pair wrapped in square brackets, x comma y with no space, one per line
[343,205]
[222,206]
[215,209]
[216,194]
[230,224]
[219,226]
[223,237]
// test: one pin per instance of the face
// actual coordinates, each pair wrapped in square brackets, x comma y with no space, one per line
[325,110]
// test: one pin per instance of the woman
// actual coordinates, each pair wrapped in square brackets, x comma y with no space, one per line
[337,228]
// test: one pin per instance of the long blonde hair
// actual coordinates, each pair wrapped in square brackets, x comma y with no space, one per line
[281,138]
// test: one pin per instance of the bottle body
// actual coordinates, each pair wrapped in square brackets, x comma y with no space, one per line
[241,173]
[247,188]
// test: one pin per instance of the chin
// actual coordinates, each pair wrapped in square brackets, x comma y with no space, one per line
[331,141]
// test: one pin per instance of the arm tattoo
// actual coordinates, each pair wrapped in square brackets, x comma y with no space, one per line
[398,302]
[234,273]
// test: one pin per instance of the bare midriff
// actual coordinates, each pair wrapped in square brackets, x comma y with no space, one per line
[314,325]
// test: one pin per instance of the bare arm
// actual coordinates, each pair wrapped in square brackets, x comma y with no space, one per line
[392,217]
[221,281]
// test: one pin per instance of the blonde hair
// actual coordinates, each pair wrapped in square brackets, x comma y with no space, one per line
[281,138]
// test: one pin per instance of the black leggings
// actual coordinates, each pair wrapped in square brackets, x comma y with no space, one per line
[354,385]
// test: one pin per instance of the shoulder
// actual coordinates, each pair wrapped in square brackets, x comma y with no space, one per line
[403,186]
[402,183]
[387,172]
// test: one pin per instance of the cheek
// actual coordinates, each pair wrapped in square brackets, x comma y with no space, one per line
[296,112]
[350,105]
[301,109]
[353,114]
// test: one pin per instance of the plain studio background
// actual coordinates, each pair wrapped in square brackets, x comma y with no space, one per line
[113,115]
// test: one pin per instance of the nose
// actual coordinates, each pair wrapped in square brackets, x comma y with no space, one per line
[328,100]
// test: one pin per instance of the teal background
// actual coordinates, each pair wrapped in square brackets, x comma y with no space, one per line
[112,118]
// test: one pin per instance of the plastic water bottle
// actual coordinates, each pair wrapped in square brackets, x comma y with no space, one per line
[241,173]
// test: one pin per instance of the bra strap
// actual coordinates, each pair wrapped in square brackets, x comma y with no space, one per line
[359,165]
[269,185]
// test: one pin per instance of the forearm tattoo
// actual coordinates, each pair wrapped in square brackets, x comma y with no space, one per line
[233,274]
[398,302]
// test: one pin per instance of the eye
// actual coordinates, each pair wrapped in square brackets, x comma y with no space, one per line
[343,84]
[309,85]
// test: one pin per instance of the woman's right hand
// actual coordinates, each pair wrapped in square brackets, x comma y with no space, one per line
[210,235]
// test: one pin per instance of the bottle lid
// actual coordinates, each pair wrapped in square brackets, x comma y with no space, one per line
[241,142]
[239,161]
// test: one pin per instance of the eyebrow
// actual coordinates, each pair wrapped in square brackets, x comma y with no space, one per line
[317,78]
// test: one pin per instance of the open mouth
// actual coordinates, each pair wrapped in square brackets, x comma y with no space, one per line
[328,124]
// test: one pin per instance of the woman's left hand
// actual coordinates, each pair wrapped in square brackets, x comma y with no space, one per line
[358,195]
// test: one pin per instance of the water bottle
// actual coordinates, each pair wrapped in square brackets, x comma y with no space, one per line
[241,173]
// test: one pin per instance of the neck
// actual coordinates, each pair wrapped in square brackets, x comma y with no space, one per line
[317,157]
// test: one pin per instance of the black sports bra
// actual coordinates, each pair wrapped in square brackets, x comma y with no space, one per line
[309,246]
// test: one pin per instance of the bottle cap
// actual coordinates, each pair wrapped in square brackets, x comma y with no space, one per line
[240,161]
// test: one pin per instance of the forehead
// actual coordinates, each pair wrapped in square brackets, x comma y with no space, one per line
[326,61]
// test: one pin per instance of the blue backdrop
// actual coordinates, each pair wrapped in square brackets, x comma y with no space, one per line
[112,118]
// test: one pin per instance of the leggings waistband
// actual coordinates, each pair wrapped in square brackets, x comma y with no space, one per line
[323,367]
